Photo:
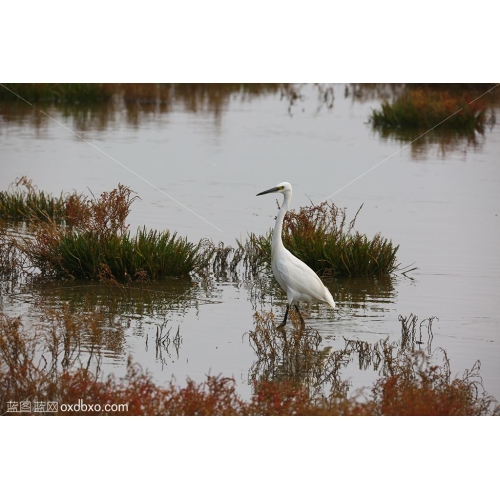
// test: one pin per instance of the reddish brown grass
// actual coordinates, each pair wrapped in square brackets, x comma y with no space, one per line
[31,370]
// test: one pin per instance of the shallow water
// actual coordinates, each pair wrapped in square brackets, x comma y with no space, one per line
[438,199]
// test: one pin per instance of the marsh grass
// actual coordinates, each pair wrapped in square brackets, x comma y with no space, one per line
[194,96]
[11,259]
[80,236]
[426,107]
[49,363]
[33,361]
[97,106]
[321,236]
[57,92]
[94,241]
[411,381]
[152,253]
[31,204]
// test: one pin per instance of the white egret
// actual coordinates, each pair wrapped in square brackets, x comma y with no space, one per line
[297,279]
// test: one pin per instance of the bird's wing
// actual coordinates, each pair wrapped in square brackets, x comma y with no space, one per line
[300,277]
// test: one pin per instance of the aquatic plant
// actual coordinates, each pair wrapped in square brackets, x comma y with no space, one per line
[158,254]
[94,241]
[31,203]
[406,370]
[47,363]
[77,235]
[57,92]
[11,261]
[320,236]
[425,108]
[195,96]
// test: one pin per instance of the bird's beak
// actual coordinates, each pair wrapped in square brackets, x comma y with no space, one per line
[272,190]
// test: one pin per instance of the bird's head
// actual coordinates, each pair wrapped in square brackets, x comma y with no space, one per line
[282,187]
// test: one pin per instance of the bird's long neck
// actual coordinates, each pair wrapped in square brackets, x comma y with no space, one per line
[278,227]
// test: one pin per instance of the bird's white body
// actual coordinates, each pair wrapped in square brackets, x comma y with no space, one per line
[298,280]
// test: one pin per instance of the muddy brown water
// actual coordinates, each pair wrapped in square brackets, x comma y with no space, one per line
[197,172]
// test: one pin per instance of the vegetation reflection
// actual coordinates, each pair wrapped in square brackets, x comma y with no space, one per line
[407,110]
[409,383]
[449,116]
[289,377]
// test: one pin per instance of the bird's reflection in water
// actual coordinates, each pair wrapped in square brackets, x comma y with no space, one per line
[295,354]
[298,355]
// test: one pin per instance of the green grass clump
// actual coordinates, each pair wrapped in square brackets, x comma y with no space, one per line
[427,107]
[57,92]
[320,236]
[31,203]
[93,241]
[91,255]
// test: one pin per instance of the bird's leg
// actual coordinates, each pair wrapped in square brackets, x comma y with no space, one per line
[300,316]
[283,323]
